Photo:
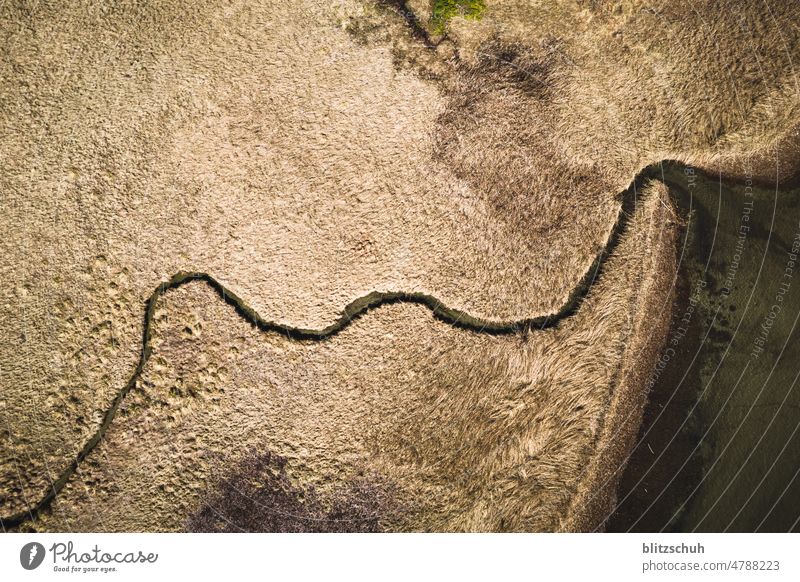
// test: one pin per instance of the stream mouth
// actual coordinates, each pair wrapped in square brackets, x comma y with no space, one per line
[719,445]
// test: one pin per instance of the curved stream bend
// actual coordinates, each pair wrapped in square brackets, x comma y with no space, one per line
[354,310]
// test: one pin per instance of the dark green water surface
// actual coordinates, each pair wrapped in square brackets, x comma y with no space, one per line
[719,448]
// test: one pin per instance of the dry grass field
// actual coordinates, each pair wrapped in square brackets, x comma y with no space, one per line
[308,153]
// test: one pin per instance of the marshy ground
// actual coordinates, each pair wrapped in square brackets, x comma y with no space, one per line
[472,155]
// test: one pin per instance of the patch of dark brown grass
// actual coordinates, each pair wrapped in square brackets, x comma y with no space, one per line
[258,495]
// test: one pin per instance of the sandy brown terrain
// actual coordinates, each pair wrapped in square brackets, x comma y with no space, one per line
[309,153]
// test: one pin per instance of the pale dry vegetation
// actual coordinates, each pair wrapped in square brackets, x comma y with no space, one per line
[307,153]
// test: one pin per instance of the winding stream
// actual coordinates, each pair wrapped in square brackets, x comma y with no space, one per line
[719,442]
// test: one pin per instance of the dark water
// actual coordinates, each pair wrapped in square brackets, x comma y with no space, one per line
[719,449]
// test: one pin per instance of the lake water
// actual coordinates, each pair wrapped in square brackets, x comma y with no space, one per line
[719,448]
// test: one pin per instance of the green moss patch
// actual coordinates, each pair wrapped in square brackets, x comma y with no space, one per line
[443,10]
